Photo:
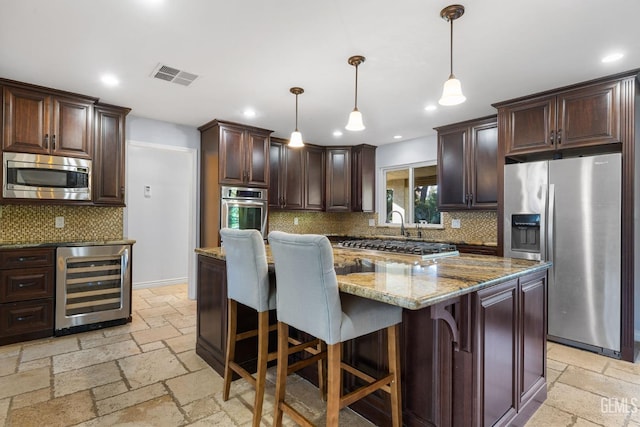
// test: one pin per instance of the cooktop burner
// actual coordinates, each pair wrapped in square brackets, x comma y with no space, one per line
[401,246]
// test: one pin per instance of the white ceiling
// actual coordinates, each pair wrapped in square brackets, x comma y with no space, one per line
[248,53]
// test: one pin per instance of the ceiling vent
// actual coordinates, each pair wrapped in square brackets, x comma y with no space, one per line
[173,75]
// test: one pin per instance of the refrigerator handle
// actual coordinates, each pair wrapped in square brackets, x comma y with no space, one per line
[550,222]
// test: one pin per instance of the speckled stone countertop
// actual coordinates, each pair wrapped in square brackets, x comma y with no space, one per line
[55,244]
[409,281]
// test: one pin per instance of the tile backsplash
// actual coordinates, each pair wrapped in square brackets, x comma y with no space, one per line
[476,227]
[36,224]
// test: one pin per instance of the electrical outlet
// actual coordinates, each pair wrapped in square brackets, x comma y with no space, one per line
[455,223]
[59,222]
[372,222]
[147,191]
[295,221]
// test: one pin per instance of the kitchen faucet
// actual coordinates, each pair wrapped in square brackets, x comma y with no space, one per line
[401,221]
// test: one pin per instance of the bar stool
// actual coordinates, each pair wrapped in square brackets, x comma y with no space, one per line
[308,299]
[248,284]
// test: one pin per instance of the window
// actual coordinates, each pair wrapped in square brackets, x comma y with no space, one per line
[411,195]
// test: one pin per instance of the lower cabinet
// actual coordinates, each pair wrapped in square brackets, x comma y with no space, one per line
[26,294]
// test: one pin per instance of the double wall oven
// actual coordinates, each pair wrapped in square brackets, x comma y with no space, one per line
[244,208]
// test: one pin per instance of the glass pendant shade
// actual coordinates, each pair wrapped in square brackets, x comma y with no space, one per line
[296,139]
[355,121]
[452,92]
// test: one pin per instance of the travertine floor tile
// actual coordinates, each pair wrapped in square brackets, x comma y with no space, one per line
[23,382]
[192,361]
[85,378]
[156,311]
[50,347]
[98,340]
[137,324]
[10,350]
[573,356]
[64,411]
[590,406]
[35,364]
[181,321]
[8,365]
[109,390]
[181,343]
[31,398]
[547,416]
[130,398]
[194,386]
[93,356]
[4,410]
[155,334]
[599,384]
[552,375]
[554,364]
[156,345]
[202,408]
[151,367]
[160,300]
[160,412]
[217,419]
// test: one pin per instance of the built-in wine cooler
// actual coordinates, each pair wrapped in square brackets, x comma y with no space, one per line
[93,287]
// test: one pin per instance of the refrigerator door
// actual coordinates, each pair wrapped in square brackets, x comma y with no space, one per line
[525,192]
[584,282]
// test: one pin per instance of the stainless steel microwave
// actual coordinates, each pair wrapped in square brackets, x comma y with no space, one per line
[35,176]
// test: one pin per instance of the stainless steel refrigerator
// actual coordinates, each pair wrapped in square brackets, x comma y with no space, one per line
[568,211]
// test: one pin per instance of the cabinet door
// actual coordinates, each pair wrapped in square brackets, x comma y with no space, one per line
[26,120]
[26,320]
[533,339]
[589,116]
[338,180]
[109,156]
[363,178]
[71,131]
[257,162]
[294,178]
[232,156]
[314,178]
[276,174]
[26,284]
[212,311]
[497,324]
[484,167]
[453,192]
[530,126]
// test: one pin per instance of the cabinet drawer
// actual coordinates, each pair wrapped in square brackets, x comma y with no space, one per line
[26,317]
[26,258]
[25,284]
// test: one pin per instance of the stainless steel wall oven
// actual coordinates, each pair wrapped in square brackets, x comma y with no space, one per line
[93,287]
[244,208]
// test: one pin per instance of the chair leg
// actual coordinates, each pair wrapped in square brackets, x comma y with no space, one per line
[393,345]
[261,375]
[231,346]
[281,372]
[334,383]
[322,372]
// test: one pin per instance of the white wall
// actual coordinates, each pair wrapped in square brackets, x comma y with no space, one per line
[165,156]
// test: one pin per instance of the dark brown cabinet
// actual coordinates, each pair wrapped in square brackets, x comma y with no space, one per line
[296,179]
[511,330]
[363,178]
[109,155]
[338,180]
[244,155]
[26,294]
[47,122]
[581,117]
[468,165]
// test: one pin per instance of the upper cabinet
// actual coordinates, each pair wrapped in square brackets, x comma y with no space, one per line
[244,154]
[363,178]
[109,155]
[47,122]
[296,176]
[338,179]
[579,117]
[468,165]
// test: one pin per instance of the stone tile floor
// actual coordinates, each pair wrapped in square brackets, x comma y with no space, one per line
[146,373]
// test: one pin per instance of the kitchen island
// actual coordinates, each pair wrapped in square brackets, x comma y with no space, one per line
[473,340]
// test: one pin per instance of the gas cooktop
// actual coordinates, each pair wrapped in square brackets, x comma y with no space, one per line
[426,249]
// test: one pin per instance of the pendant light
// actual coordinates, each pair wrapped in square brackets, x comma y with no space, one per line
[355,118]
[296,136]
[452,91]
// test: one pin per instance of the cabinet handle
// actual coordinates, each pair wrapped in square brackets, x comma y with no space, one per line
[121,191]
[53,142]
[23,318]
[559,136]
[27,258]
[552,137]
[46,141]
[470,199]
[25,285]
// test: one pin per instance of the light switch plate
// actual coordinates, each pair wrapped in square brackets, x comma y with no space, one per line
[372,222]
[59,222]
[455,223]
[295,221]
[147,191]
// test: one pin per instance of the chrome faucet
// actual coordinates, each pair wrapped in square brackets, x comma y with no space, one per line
[401,221]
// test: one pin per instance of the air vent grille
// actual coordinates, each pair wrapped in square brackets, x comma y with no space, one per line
[173,75]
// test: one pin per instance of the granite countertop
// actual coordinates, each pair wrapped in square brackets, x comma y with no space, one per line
[412,238]
[56,244]
[409,281]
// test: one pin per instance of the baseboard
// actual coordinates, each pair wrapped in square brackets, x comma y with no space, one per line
[158,283]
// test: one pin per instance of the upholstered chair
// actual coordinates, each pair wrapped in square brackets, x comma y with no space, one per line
[308,299]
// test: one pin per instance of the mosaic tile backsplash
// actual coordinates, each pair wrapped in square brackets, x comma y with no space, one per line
[477,227]
[36,224]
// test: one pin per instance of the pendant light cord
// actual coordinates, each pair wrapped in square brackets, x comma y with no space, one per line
[356,105]
[451,50]
[296,112]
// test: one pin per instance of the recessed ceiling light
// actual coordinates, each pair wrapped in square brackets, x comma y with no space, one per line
[612,57]
[430,108]
[337,133]
[249,113]
[397,136]
[110,80]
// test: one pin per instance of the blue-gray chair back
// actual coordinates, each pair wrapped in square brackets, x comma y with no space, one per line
[308,296]
[247,270]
